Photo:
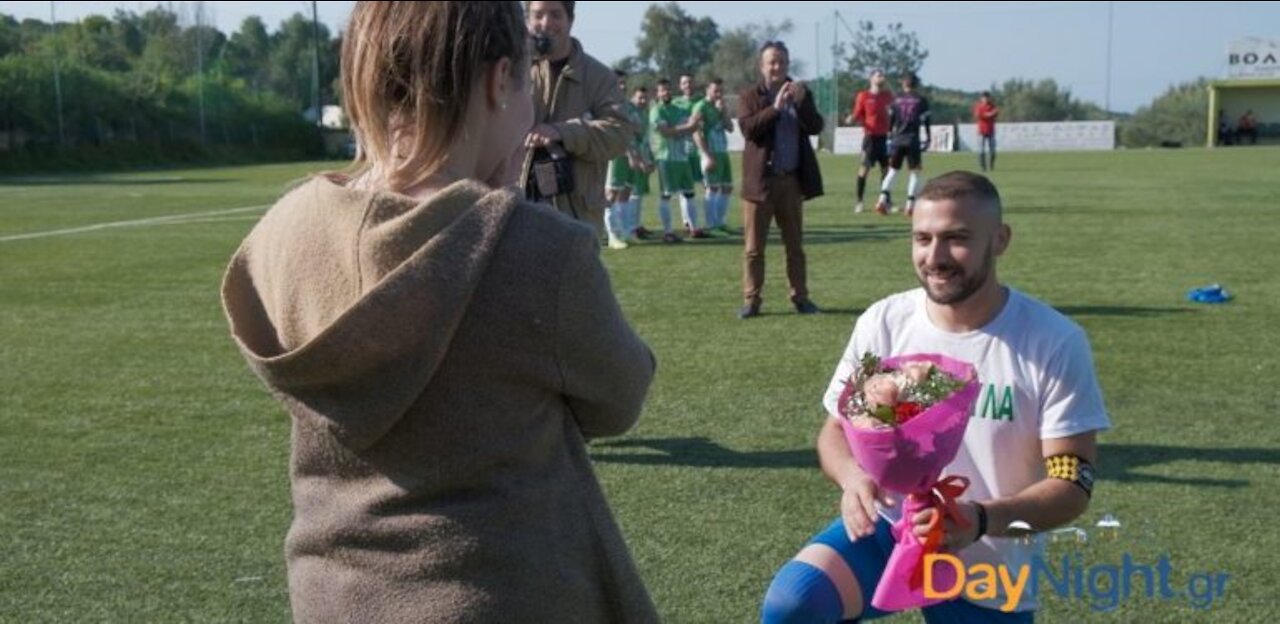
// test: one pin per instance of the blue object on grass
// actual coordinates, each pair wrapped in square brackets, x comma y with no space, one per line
[1213,293]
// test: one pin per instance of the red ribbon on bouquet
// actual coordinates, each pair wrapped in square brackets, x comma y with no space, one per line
[943,496]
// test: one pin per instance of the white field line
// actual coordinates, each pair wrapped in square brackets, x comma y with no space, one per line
[131,223]
[252,217]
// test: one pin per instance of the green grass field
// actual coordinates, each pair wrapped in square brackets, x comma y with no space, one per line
[143,470]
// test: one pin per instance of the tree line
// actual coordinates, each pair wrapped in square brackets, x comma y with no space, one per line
[157,83]
[144,86]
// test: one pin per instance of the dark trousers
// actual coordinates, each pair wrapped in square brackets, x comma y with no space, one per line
[783,202]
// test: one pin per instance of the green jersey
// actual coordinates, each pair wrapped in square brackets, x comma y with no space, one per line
[639,142]
[713,127]
[686,104]
[669,116]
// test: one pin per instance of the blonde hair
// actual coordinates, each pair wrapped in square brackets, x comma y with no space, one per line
[408,71]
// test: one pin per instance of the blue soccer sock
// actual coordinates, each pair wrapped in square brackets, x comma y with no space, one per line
[801,593]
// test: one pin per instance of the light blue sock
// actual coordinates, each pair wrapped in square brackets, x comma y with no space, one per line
[633,214]
[615,220]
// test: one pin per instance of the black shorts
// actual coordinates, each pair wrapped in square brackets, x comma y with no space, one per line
[875,150]
[905,149]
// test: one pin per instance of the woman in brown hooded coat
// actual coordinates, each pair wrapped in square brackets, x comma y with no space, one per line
[443,348]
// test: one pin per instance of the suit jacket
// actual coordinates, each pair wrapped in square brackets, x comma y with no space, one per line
[757,118]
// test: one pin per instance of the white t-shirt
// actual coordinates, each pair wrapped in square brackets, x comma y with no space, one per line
[1038,382]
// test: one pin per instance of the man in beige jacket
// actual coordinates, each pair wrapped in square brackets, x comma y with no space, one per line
[577,107]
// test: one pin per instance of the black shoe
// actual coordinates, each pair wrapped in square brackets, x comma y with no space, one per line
[805,306]
[748,311]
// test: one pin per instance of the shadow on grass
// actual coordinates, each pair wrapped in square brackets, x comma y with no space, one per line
[696,452]
[818,236]
[1120,311]
[785,309]
[1119,462]
[72,180]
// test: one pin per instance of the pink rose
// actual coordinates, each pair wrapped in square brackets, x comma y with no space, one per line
[917,372]
[880,390]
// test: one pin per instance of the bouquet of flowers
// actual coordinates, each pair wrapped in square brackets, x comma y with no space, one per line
[904,418]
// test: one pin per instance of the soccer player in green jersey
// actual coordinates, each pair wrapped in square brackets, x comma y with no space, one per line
[713,151]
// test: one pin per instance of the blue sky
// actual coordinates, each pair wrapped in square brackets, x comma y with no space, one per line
[971,45]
